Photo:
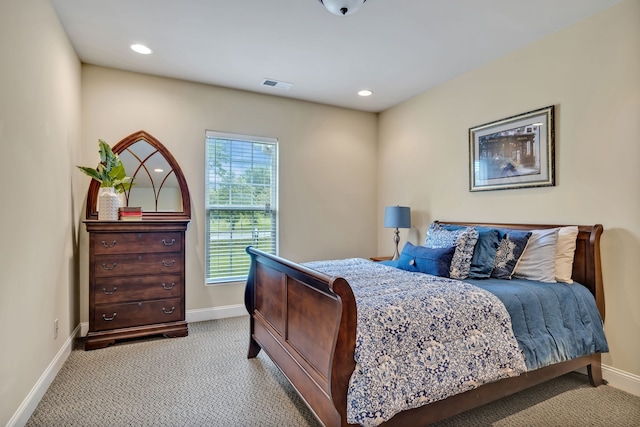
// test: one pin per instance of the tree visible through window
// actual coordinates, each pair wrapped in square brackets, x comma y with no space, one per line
[241,202]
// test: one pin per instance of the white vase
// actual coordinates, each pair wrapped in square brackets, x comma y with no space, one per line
[108,204]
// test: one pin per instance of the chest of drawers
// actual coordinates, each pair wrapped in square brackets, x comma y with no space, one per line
[136,280]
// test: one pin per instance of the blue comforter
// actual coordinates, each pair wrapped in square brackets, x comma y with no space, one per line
[552,322]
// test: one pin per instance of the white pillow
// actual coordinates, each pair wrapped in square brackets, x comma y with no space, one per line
[565,251]
[538,261]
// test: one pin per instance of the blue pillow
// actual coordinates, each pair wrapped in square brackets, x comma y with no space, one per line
[509,252]
[435,261]
[484,252]
[390,263]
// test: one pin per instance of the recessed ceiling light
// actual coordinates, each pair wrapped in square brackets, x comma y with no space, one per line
[158,170]
[140,48]
[365,92]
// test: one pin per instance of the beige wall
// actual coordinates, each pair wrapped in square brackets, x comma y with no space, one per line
[328,163]
[39,142]
[591,73]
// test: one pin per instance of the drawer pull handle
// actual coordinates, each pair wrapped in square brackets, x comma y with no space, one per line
[104,265]
[108,245]
[168,287]
[168,312]
[168,264]
[164,242]
[109,319]
[111,292]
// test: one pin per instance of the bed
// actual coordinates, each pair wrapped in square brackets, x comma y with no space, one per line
[306,321]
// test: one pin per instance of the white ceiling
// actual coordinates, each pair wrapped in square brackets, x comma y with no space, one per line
[396,48]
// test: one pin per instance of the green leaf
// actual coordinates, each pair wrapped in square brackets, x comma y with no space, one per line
[102,150]
[117,171]
[91,172]
[122,185]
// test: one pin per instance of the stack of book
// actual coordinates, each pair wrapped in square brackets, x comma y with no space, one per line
[130,213]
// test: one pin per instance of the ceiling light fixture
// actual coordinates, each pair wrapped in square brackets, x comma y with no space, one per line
[140,48]
[365,92]
[342,7]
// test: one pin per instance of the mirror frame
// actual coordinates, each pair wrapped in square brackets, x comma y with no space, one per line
[94,186]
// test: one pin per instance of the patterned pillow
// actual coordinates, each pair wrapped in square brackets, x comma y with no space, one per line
[509,251]
[463,239]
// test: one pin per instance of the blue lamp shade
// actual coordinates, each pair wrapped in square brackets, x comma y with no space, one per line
[397,217]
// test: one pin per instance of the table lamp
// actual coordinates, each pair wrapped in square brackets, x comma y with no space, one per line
[397,217]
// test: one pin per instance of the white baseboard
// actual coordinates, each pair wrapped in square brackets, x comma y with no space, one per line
[30,403]
[84,328]
[618,379]
[214,313]
[621,379]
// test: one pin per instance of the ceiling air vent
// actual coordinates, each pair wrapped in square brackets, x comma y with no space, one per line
[276,83]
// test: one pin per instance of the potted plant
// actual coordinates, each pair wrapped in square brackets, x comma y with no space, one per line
[111,175]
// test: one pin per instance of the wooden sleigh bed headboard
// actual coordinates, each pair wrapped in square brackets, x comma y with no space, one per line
[306,323]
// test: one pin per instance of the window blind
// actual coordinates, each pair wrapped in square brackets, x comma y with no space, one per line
[241,202]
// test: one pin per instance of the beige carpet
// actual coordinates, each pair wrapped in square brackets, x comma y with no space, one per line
[205,379]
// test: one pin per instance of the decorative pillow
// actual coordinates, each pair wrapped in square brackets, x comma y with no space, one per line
[484,253]
[435,261]
[564,253]
[509,252]
[538,261]
[464,241]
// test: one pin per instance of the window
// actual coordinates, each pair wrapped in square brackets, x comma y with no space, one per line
[241,202]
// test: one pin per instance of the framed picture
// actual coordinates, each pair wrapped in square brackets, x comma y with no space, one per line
[516,152]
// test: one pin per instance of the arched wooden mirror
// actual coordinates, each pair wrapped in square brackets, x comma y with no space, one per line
[159,186]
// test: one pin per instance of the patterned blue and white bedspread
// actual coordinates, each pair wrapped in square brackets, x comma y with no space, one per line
[420,339]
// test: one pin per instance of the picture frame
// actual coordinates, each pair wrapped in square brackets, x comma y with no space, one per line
[515,152]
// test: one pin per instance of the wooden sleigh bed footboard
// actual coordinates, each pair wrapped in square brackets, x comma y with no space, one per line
[306,323]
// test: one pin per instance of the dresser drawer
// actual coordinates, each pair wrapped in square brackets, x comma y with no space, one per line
[121,289]
[122,243]
[113,316]
[137,264]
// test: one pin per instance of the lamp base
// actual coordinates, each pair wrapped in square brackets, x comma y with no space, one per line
[396,239]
